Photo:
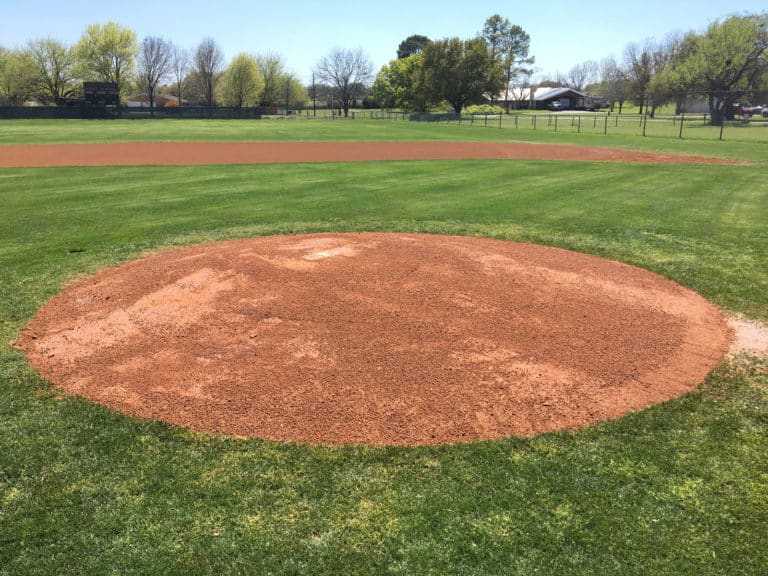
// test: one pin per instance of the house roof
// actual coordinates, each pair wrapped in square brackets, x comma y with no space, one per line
[543,94]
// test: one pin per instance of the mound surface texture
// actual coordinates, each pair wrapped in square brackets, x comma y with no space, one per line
[384,339]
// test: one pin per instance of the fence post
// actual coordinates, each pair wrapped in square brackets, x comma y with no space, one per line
[722,125]
[682,123]
[471,119]
[534,122]
[500,117]
[550,118]
[605,130]
[516,117]
[594,124]
[578,128]
[486,120]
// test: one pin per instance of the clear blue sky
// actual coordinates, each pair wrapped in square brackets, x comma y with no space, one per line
[563,33]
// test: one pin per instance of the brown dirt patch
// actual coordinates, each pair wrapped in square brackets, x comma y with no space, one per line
[750,336]
[195,153]
[375,338]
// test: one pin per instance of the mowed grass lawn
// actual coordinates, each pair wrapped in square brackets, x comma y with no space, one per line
[680,488]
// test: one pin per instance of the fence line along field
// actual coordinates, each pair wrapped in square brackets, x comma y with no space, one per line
[676,488]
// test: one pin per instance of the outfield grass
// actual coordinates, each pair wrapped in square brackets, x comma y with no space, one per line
[681,488]
[741,143]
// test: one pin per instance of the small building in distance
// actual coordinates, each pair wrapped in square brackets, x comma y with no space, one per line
[161,101]
[550,99]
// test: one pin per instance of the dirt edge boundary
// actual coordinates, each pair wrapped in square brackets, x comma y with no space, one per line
[215,153]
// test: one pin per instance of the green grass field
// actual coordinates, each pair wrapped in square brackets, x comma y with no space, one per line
[680,488]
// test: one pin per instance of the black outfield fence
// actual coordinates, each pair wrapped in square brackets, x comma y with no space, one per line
[689,125]
[85,111]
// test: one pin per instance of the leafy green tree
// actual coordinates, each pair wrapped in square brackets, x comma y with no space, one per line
[296,94]
[509,46]
[53,64]
[412,45]
[495,31]
[17,79]
[671,82]
[728,62]
[394,84]
[274,76]
[241,82]
[458,71]
[107,53]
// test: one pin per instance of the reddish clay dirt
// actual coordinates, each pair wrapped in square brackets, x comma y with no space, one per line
[383,339]
[194,153]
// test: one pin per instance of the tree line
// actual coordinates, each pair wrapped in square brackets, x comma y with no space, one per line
[455,71]
[52,73]
[726,64]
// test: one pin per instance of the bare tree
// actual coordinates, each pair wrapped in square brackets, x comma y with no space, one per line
[615,83]
[642,62]
[582,75]
[179,69]
[347,72]
[521,89]
[208,62]
[155,64]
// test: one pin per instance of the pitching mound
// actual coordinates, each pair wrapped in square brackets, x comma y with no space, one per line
[375,338]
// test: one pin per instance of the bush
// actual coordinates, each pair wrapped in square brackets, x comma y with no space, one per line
[483,109]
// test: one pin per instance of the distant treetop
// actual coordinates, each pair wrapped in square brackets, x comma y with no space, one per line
[412,45]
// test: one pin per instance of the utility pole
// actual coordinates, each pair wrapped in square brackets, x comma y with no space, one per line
[314,97]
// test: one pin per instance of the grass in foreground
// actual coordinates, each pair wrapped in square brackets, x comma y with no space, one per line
[680,488]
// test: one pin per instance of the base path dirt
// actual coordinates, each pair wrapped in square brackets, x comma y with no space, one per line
[383,339]
[195,153]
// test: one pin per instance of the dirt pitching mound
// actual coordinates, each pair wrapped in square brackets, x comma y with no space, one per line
[383,339]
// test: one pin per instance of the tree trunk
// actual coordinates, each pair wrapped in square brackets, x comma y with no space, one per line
[715,110]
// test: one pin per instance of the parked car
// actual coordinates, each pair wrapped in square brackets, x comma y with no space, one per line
[752,110]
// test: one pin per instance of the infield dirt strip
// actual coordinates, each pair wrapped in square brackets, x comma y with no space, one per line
[195,153]
[384,339]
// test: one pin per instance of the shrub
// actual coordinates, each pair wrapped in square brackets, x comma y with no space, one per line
[483,109]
